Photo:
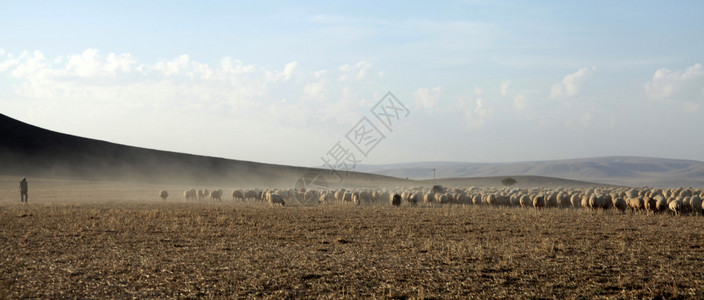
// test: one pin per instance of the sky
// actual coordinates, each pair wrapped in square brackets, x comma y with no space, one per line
[308,83]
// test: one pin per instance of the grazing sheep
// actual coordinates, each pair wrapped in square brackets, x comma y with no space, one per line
[597,201]
[190,194]
[462,198]
[515,199]
[441,198]
[660,203]
[339,194]
[585,200]
[503,199]
[477,199]
[675,206]
[686,204]
[275,199]
[696,203]
[347,197]
[164,194]
[356,198]
[551,200]
[396,200]
[686,193]
[650,204]
[285,194]
[326,197]
[405,195]
[429,197]
[576,200]
[237,194]
[636,203]
[619,204]
[538,201]
[310,196]
[491,199]
[563,200]
[251,195]
[413,198]
[216,195]
[525,201]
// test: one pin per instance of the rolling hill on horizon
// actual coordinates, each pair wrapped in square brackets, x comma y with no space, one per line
[29,150]
[613,170]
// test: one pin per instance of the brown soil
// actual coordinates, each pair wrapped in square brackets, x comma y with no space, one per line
[163,250]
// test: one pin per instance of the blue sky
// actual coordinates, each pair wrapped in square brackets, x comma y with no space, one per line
[282,82]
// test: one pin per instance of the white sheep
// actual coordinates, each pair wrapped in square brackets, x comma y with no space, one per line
[414,198]
[326,198]
[660,203]
[190,194]
[696,203]
[525,201]
[619,204]
[216,195]
[538,201]
[477,199]
[251,194]
[676,206]
[237,194]
[575,199]
[490,199]
[429,197]
[275,199]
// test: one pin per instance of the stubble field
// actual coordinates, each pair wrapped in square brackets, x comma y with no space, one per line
[134,247]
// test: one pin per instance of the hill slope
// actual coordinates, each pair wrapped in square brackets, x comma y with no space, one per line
[28,150]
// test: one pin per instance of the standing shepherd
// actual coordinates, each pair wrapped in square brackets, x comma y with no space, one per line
[23,190]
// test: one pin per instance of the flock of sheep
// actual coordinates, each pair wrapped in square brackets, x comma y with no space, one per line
[676,201]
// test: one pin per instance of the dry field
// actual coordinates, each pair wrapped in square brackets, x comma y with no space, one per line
[103,241]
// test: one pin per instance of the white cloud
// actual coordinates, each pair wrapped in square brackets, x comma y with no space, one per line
[520,102]
[680,86]
[285,74]
[319,74]
[477,114]
[427,98]
[173,67]
[235,66]
[315,91]
[109,84]
[289,68]
[7,60]
[90,64]
[357,71]
[504,87]
[570,85]
[30,66]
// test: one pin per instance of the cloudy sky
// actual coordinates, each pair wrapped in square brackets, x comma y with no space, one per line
[284,82]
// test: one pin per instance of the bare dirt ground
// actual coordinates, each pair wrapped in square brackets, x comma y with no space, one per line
[88,240]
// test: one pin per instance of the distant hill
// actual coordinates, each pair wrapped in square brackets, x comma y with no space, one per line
[522,181]
[27,150]
[621,170]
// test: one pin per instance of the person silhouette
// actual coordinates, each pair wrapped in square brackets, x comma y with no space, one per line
[24,190]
